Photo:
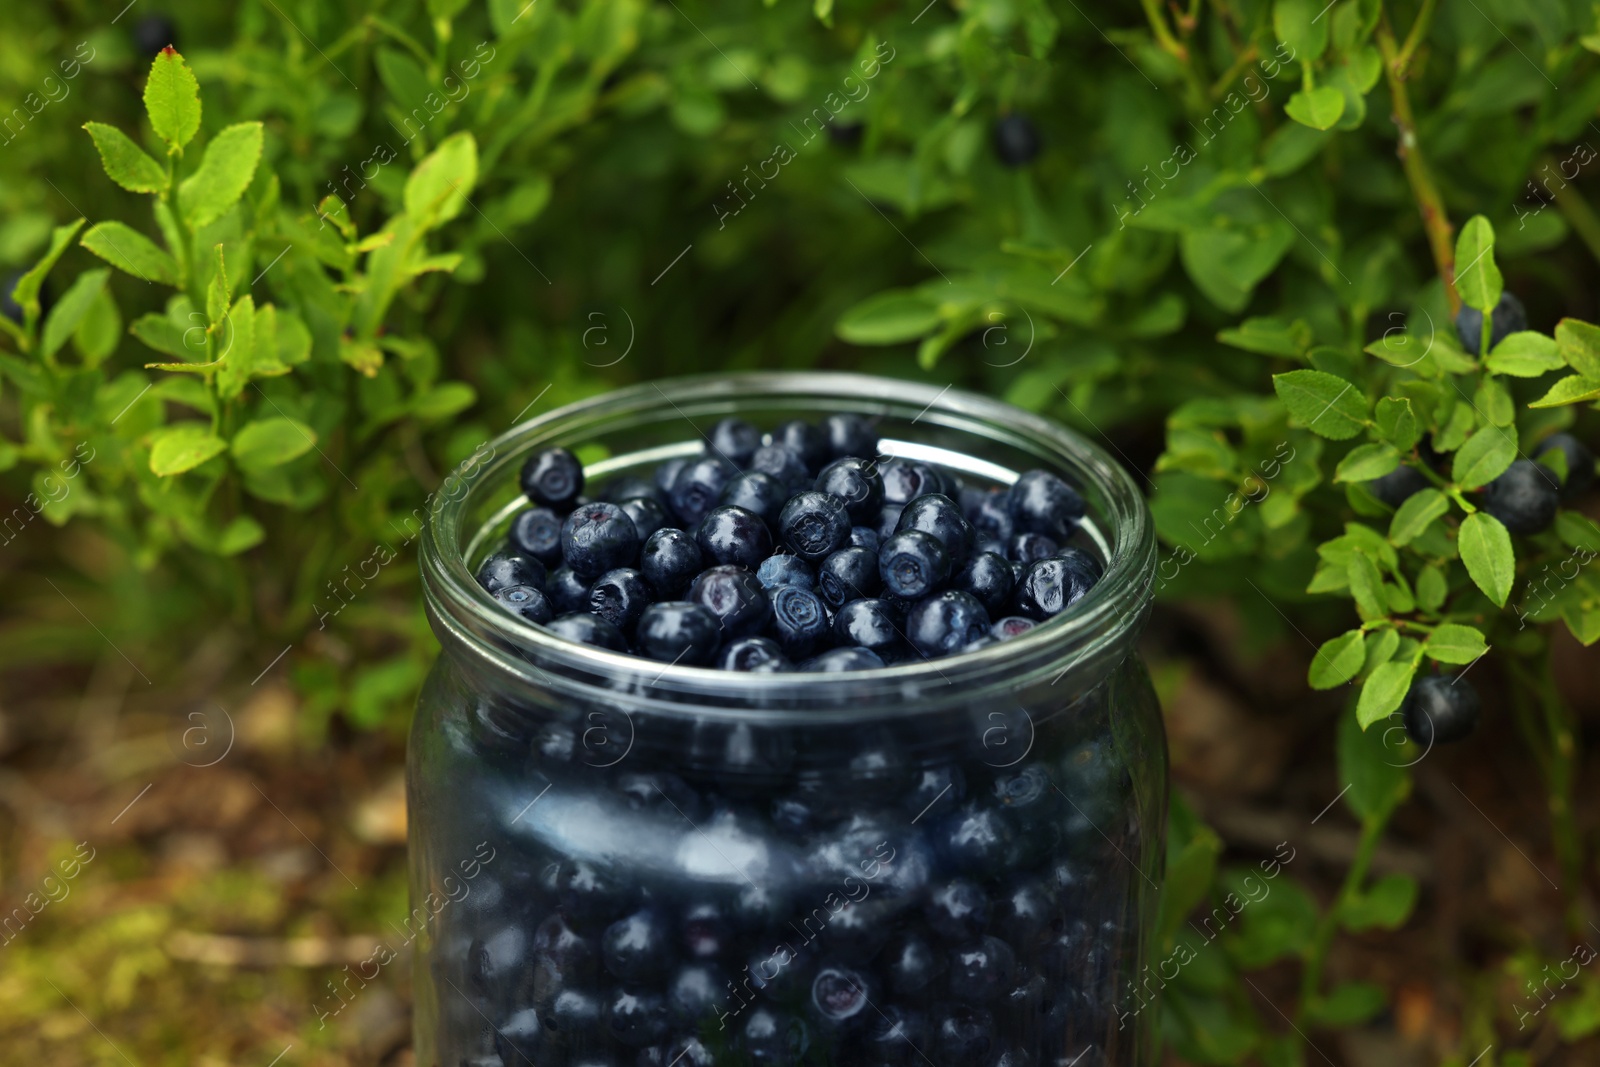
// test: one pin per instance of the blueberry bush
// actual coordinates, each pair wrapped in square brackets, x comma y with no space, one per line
[1322,274]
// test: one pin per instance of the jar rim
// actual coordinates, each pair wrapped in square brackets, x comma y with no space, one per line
[1090,637]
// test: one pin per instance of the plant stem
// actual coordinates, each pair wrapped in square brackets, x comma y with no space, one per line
[1435,220]
[1419,29]
[1328,925]
[1556,752]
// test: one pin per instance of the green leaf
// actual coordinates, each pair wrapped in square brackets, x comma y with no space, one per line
[125,162]
[1486,551]
[1338,660]
[1373,767]
[1297,25]
[26,293]
[98,335]
[184,447]
[1573,389]
[1484,457]
[438,188]
[1452,642]
[69,311]
[1579,344]
[1383,690]
[888,318]
[1270,337]
[1384,906]
[1578,531]
[224,174]
[1348,1004]
[238,354]
[1366,462]
[1525,354]
[1397,423]
[271,443]
[1366,586]
[1381,649]
[1431,588]
[1322,403]
[444,401]
[241,534]
[172,99]
[129,250]
[1415,513]
[1478,280]
[162,334]
[1320,108]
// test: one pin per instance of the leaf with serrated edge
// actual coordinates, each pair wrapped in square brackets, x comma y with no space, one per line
[1338,660]
[1452,642]
[1415,513]
[1486,552]
[1484,457]
[1478,279]
[125,162]
[172,99]
[1384,690]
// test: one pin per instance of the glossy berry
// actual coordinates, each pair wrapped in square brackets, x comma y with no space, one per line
[785,569]
[982,970]
[913,564]
[813,524]
[1439,709]
[957,911]
[939,516]
[771,1038]
[669,561]
[1029,548]
[735,440]
[697,488]
[552,477]
[505,569]
[636,1017]
[705,932]
[987,577]
[1042,502]
[1025,910]
[536,533]
[1398,486]
[946,623]
[805,440]
[1580,462]
[990,516]
[963,1035]
[731,534]
[848,574]
[910,964]
[935,791]
[1525,498]
[597,538]
[1011,626]
[151,34]
[856,483]
[620,596]
[843,659]
[647,513]
[1016,140]
[676,631]
[1508,317]
[567,591]
[696,993]
[800,619]
[630,487]
[868,624]
[783,465]
[759,654]
[906,479]
[896,1035]
[735,597]
[666,476]
[840,995]
[865,537]
[977,839]
[757,492]
[850,435]
[1053,585]
[526,603]
[587,629]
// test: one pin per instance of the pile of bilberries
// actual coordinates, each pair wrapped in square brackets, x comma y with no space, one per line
[793,550]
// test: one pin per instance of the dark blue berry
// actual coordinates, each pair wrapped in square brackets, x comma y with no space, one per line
[631,487]
[783,465]
[666,475]
[591,894]
[1439,709]
[936,791]
[567,957]
[978,840]
[784,569]
[793,815]
[1053,585]
[684,1052]
[1508,317]
[957,911]
[938,515]
[1398,486]
[568,592]
[888,519]
[676,631]
[636,1017]
[896,1035]
[772,1038]
[730,534]
[944,624]
[647,513]
[1029,548]
[697,487]
[800,619]
[906,479]
[1580,462]
[536,533]
[988,578]
[735,597]
[150,35]
[620,596]
[735,440]
[587,629]
[865,537]
[857,485]
[552,477]
[982,970]
[991,517]
[843,659]
[1016,140]
[705,932]
[504,569]
[597,538]
[527,603]
[697,993]
[1041,502]
[522,1038]
[962,1037]
[572,1014]
[669,561]
[806,441]
[848,574]
[1024,911]
[759,654]
[840,995]
[910,964]
[850,435]
[913,564]
[1525,498]
[757,492]
[813,524]
[868,624]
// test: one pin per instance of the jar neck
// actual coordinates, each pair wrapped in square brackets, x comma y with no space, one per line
[469,514]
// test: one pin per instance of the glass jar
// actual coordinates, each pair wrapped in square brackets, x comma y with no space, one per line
[617,862]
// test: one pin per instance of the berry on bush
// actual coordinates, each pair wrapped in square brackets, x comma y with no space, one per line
[1508,317]
[1580,462]
[1439,709]
[1016,140]
[1525,498]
